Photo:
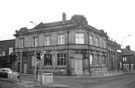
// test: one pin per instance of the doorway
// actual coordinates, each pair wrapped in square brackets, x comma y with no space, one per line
[78,66]
[25,68]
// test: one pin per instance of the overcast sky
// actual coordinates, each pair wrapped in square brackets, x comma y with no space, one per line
[116,17]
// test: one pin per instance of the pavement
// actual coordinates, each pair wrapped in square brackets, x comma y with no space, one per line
[32,84]
[28,81]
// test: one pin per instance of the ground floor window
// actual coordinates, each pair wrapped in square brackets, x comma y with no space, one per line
[102,60]
[96,60]
[91,59]
[61,59]
[48,59]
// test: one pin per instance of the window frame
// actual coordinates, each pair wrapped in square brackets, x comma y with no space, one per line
[91,59]
[124,59]
[97,41]
[2,52]
[61,59]
[10,50]
[79,38]
[47,40]
[50,58]
[35,41]
[104,43]
[91,40]
[21,42]
[61,39]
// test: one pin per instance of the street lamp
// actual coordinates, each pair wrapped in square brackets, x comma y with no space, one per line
[122,47]
[33,23]
[20,64]
[123,39]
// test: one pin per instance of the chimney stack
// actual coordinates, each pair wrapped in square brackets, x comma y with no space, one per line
[64,17]
[128,47]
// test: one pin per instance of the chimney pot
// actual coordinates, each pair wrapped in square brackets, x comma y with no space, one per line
[128,47]
[64,17]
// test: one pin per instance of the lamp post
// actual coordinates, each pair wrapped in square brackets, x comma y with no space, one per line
[20,64]
[122,50]
[33,23]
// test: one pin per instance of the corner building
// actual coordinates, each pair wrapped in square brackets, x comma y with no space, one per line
[67,47]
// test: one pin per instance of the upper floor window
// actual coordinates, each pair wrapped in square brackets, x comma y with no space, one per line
[47,40]
[61,39]
[35,43]
[10,50]
[96,41]
[124,59]
[91,40]
[2,53]
[21,42]
[79,38]
[104,44]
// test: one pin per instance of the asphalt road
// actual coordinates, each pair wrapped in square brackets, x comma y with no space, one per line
[8,83]
[123,81]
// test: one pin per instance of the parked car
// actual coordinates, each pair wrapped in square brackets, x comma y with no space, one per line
[3,74]
[11,74]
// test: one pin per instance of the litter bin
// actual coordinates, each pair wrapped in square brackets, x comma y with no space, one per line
[47,78]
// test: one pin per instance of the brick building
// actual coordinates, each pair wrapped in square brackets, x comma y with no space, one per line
[67,47]
[128,59]
[6,48]
[114,55]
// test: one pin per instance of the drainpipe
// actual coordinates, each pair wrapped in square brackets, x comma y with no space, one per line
[68,66]
[88,54]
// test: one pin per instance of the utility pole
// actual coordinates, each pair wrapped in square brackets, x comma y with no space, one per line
[41,64]
[20,64]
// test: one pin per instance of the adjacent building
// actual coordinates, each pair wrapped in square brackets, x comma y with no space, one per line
[128,59]
[6,48]
[66,47]
[114,55]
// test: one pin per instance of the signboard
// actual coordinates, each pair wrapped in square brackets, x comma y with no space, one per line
[78,56]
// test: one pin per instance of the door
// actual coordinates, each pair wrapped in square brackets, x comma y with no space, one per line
[78,66]
[25,68]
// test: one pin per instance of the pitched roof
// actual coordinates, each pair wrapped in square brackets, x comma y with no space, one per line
[75,21]
[127,52]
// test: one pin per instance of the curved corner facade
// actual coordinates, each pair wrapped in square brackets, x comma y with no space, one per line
[70,47]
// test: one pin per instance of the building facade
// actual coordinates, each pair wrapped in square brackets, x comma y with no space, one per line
[128,59]
[67,47]
[6,48]
[114,55]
